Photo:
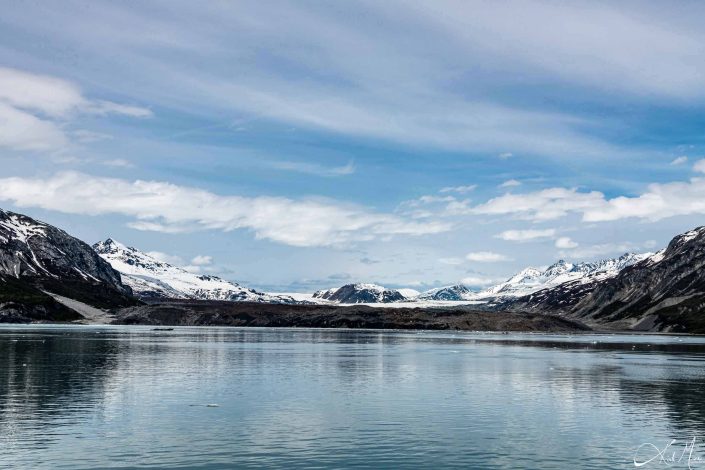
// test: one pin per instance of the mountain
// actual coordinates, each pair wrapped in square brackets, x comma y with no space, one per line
[532,280]
[450,293]
[663,292]
[36,258]
[150,278]
[360,294]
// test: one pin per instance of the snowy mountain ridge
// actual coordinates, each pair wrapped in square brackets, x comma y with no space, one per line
[151,278]
[531,279]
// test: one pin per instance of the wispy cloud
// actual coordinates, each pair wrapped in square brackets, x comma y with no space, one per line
[458,189]
[33,108]
[315,169]
[388,78]
[679,160]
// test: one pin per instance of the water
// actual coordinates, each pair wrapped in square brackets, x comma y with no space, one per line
[128,397]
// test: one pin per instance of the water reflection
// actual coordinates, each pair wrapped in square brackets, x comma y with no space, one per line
[84,397]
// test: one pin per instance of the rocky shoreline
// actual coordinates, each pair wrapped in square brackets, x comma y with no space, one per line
[215,313]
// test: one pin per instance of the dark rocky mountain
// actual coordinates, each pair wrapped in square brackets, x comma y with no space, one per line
[665,292]
[21,302]
[36,258]
[360,294]
[205,312]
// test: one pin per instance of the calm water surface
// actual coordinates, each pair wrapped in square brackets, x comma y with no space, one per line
[128,397]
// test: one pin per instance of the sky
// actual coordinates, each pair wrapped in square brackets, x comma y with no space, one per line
[294,146]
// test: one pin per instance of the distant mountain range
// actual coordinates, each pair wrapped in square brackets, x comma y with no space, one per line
[45,272]
[521,284]
[150,278]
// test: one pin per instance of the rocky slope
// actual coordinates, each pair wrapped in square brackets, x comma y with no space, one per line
[21,302]
[187,313]
[45,258]
[664,292]
[360,294]
[150,278]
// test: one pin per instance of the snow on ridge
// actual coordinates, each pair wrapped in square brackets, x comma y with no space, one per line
[149,277]
[21,229]
[532,279]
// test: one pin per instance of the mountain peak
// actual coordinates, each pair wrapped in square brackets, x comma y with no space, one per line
[360,293]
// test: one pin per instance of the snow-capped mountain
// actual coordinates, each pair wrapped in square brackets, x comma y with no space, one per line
[455,293]
[662,292]
[51,260]
[151,278]
[532,280]
[359,294]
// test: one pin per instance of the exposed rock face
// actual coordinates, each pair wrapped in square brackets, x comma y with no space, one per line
[664,292]
[184,312]
[360,294]
[52,260]
[150,278]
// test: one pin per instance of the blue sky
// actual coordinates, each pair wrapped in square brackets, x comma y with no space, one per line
[302,145]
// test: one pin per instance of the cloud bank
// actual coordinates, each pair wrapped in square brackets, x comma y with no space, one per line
[169,208]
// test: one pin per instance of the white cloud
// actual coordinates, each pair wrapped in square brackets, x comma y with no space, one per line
[510,184]
[55,97]
[526,235]
[20,130]
[48,95]
[458,189]
[679,160]
[660,201]
[565,243]
[477,281]
[34,108]
[505,155]
[606,249]
[166,258]
[699,166]
[165,207]
[546,204]
[202,260]
[451,261]
[486,257]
